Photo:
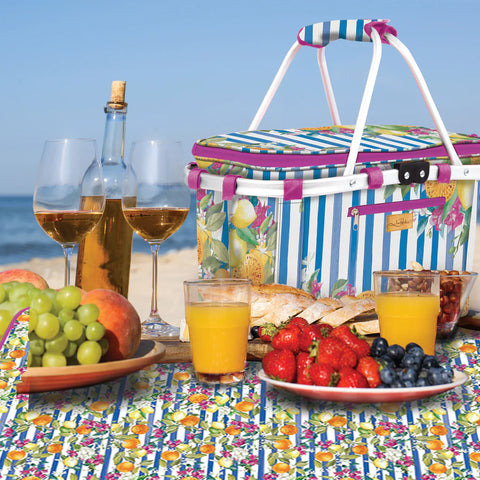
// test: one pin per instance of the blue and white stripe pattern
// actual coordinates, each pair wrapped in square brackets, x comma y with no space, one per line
[321,34]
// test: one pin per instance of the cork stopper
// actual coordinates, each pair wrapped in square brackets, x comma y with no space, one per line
[117,97]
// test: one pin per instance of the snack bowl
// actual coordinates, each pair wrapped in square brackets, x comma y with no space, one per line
[455,289]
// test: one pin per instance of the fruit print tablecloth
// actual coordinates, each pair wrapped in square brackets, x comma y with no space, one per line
[160,423]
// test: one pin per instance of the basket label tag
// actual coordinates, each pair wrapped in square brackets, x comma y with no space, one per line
[401,221]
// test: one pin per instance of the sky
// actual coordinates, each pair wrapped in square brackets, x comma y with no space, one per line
[200,68]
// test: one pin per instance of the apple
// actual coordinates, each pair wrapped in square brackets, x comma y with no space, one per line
[121,321]
[23,276]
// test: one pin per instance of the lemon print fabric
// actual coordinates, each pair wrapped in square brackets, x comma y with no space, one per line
[243,213]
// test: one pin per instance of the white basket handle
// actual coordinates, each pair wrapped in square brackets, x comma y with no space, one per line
[378,32]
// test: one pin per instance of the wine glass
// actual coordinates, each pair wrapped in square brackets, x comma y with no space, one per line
[69,196]
[155,203]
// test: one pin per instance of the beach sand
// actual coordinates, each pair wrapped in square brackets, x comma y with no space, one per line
[173,268]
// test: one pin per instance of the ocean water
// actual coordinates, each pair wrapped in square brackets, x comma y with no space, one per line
[22,238]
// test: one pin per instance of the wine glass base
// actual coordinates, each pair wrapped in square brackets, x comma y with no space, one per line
[159,329]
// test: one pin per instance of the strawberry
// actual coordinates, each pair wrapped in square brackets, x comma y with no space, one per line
[325,328]
[304,362]
[280,365]
[287,339]
[351,378]
[348,358]
[323,375]
[300,322]
[308,335]
[357,344]
[369,368]
[267,331]
[329,351]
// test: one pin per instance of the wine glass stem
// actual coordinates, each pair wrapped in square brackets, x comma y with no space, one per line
[67,253]
[153,309]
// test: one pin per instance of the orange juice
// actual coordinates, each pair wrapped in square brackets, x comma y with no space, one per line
[218,336]
[408,317]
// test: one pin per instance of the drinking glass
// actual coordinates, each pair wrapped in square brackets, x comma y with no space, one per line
[218,312]
[155,203]
[69,195]
[407,303]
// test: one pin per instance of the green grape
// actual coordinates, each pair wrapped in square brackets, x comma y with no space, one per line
[36,361]
[89,352]
[57,344]
[81,339]
[88,313]
[41,303]
[95,331]
[71,349]
[54,360]
[19,290]
[73,330]
[5,319]
[69,297]
[64,316]
[9,285]
[9,306]
[22,302]
[50,292]
[29,359]
[32,320]
[3,293]
[104,344]
[33,292]
[37,345]
[48,326]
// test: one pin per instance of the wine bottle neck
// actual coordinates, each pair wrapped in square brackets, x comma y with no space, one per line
[114,138]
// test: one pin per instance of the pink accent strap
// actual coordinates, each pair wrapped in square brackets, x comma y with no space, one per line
[293,189]
[229,186]
[375,177]
[194,177]
[444,173]
[381,27]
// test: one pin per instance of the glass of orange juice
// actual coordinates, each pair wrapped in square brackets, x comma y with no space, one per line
[407,304]
[217,313]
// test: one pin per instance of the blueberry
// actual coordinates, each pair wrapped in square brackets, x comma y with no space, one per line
[409,383]
[398,384]
[422,382]
[396,353]
[447,376]
[386,361]
[388,375]
[412,345]
[435,376]
[379,347]
[417,353]
[255,331]
[429,361]
[382,385]
[409,375]
[410,361]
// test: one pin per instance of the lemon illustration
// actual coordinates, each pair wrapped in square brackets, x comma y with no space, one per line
[202,236]
[243,213]
[237,250]
[465,192]
[435,189]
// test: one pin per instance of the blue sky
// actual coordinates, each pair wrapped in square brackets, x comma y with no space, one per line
[196,69]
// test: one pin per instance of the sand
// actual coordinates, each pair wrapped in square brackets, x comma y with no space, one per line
[173,268]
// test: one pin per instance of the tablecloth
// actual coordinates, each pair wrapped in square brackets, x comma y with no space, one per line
[160,423]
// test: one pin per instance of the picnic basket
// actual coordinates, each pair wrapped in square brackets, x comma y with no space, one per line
[320,208]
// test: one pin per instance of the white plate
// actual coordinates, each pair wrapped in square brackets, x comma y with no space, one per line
[364,395]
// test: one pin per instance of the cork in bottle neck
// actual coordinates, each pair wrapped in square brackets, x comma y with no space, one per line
[117,97]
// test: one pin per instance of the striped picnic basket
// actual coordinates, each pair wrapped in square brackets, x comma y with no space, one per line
[321,208]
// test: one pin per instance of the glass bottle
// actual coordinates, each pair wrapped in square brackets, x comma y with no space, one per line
[104,255]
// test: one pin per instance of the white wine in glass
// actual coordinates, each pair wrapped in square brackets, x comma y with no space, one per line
[155,203]
[69,195]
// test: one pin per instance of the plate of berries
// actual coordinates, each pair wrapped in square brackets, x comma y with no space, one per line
[337,365]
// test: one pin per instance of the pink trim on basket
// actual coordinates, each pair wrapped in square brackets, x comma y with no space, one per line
[375,177]
[292,160]
[293,189]
[444,173]
[229,186]
[194,177]
[381,27]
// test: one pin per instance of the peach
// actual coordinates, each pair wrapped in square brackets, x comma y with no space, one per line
[121,321]
[23,276]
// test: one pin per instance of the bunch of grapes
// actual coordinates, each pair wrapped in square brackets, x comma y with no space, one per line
[63,332]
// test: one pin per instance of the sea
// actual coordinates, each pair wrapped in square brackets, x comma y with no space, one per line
[22,238]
